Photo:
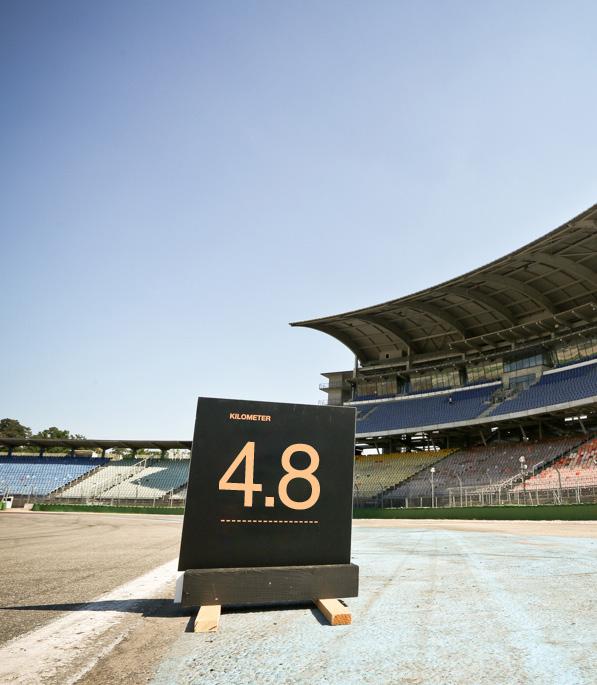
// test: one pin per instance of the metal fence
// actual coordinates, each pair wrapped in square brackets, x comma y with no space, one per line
[483,497]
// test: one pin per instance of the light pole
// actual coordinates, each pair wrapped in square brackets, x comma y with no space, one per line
[432,469]
[30,494]
[555,465]
[523,475]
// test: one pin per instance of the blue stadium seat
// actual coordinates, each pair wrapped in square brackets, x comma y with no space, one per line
[554,388]
[42,475]
[461,405]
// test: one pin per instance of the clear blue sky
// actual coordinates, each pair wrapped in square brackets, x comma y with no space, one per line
[179,180]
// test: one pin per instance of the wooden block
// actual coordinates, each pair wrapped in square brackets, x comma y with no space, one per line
[335,612]
[268,584]
[207,619]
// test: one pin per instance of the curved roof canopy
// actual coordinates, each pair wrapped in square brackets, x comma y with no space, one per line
[538,292]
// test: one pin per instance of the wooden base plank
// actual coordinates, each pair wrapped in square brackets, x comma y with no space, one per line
[335,611]
[268,585]
[207,619]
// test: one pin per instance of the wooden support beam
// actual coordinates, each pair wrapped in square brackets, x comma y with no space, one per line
[207,619]
[335,611]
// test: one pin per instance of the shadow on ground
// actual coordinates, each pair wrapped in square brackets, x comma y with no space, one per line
[158,608]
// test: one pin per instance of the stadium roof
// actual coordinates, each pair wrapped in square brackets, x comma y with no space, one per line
[81,443]
[541,291]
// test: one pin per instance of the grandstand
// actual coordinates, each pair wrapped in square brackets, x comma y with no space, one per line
[423,411]
[499,363]
[74,479]
[39,476]
[578,469]
[103,479]
[555,387]
[376,473]
[494,465]
[156,479]
[135,479]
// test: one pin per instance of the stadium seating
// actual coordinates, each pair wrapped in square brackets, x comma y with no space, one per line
[132,479]
[39,476]
[159,477]
[103,479]
[375,473]
[413,411]
[578,469]
[432,410]
[555,387]
[491,465]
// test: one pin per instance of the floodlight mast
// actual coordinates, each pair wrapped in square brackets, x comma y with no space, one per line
[523,474]
[432,470]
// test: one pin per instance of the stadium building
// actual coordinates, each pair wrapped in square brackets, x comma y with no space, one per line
[499,364]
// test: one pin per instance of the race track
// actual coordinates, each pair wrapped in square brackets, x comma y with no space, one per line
[86,598]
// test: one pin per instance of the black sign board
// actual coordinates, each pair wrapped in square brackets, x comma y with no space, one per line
[270,485]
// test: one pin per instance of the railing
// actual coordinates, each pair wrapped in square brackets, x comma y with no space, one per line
[456,498]
[476,496]
[333,385]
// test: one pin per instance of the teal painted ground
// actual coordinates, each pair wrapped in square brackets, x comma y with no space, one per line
[442,606]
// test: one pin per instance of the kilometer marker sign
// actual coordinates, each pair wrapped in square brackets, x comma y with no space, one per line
[270,485]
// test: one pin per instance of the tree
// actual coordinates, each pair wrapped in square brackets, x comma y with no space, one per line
[12,428]
[119,452]
[54,433]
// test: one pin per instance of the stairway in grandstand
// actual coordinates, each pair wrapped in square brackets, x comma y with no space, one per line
[555,387]
[156,480]
[377,473]
[132,479]
[103,479]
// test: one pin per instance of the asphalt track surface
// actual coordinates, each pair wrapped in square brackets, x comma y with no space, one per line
[52,563]
[86,599]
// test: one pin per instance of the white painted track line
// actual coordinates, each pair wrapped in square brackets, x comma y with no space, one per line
[73,642]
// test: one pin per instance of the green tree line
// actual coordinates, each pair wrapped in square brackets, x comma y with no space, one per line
[13,428]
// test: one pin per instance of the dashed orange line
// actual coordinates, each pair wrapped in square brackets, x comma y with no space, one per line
[265,521]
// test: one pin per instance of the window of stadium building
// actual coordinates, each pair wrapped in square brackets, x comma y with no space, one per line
[435,381]
[387,386]
[377,386]
[583,349]
[485,372]
[524,363]
[366,387]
